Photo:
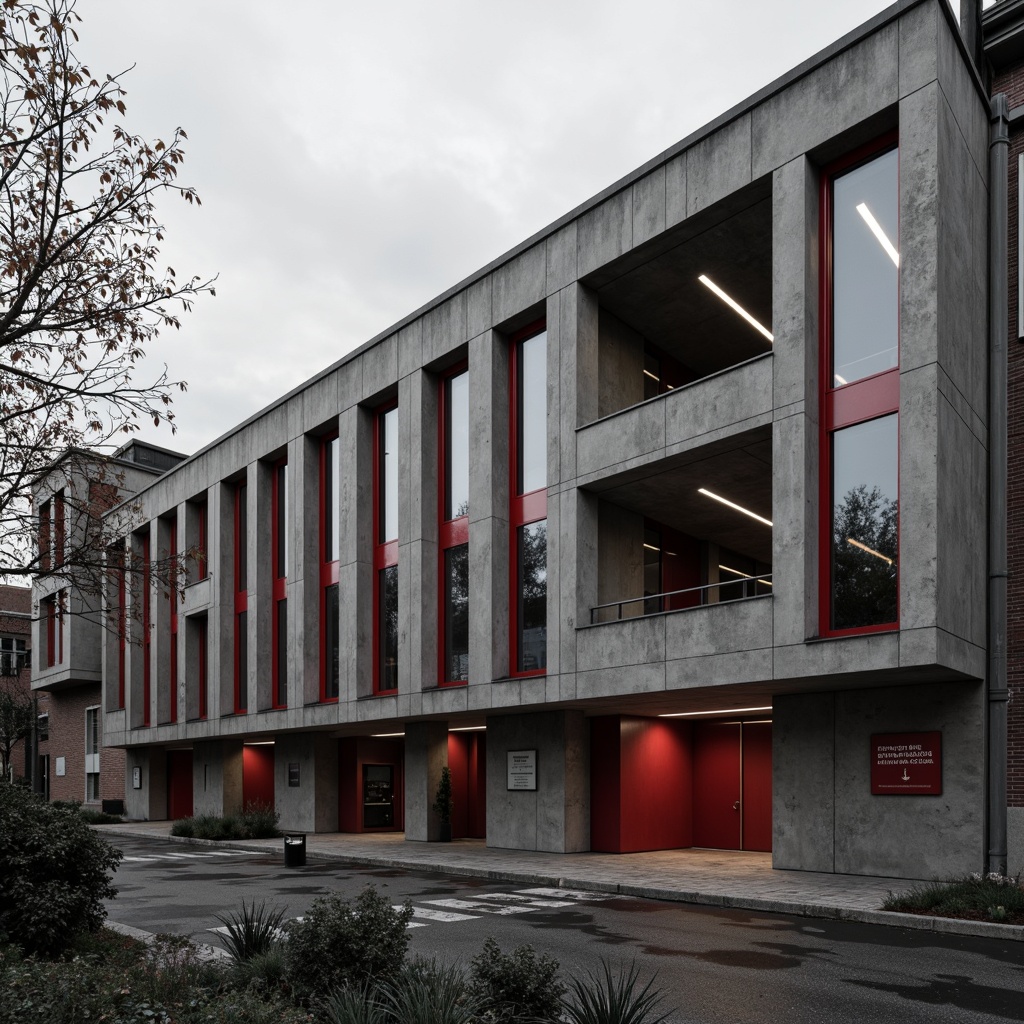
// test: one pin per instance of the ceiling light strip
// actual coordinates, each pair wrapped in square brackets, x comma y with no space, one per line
[720,711]
[876,230]
[734,305]
[733,505]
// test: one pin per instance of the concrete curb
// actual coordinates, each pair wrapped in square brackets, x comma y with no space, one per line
[726,901]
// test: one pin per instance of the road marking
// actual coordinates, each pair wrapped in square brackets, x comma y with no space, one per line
[438,915]
[514,897]
[571,894]
[486,908]
[134,859]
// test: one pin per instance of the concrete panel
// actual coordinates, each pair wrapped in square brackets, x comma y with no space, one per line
[851,87]
[869,653]
[719,628]
[803,782]
[312,805]
[1015,840]
[380,363]
[627,436]
[320,402]
[743,666]
[426,753]
[649,206]
[444,330]
[911,836]
[621,680]
[519,284]
[675,191]
[605,233]
[970,112]
[718,165]
[629,642]
[478,307]
[620,365]
[620,565]
[554,393]
[918,29]
[561,258]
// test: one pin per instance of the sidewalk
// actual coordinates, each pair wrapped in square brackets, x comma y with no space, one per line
[716,878]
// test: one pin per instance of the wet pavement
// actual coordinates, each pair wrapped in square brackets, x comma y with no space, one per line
[714,878]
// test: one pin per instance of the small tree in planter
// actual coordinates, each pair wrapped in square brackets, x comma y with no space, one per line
[443,804]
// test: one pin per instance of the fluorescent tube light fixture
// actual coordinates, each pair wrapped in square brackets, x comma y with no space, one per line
[732,504]
[870,551]
[735,306]
[720,711]
[876,230]
[383,735]
[469,728]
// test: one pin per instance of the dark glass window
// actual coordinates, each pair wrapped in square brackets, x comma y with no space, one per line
[652,571]
[457,446]
[456,613]
[533,601]
[388,468]
[241,662]
[281,519]
[331,648]
[331,498]
[865,519]
[282,653]
[532,417]
[241,538]
[388,623]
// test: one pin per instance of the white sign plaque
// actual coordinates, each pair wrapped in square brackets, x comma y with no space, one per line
[59,766]
[522,769]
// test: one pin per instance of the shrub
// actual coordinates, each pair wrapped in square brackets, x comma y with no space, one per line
[430,993]
[354,1006]
[978,897]
[257,821]
[55,872]
[340,944]
[517,986]
[255,930]
[89,814]
[607,998]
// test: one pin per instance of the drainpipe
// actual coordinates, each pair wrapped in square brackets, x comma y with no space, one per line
[999,148]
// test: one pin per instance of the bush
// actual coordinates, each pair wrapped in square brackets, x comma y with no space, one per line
[338,944]
[253,931]
[430,993]
[257,821]
[55,872]
[517,986]
[973,897]
[89,814]
[607,998]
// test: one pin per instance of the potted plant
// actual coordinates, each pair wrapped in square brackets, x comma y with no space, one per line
[443,804]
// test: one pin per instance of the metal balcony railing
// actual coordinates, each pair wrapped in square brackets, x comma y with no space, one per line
[657,604]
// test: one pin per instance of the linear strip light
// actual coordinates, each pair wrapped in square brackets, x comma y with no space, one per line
[734,305]
[720,711]
[469,728]
[383,735]
[870,551]
[731,504]
[876,230]
[745,575]
[647,373]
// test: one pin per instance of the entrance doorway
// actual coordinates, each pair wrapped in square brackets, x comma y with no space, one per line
[732,785]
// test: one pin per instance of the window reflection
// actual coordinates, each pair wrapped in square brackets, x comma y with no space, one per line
[389,628]
[389,475]
[456,614]
[331,612]
[533,413]
[533,594]
[865,271]
[865,524]
[457,447]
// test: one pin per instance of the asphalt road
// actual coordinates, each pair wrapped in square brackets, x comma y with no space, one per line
[715,966]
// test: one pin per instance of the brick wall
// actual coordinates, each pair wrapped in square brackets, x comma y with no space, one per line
[15,605]
[1012,83]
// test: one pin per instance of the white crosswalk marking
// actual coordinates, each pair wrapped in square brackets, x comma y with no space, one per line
[130,859]
[138,860]
[439,915]
[570,894]
[485,908]
[514,897]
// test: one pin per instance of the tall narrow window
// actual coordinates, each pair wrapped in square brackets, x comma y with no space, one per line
[330,554]
[92,754]
[45,550]
[48,608]
[201,663]
[279,558]
[59,533]
[454,528]
[202,545]
[172,599]
[385,556]
[241,601]
[62,607]
[860,420]
[146,631]
[115,563]
[528,513]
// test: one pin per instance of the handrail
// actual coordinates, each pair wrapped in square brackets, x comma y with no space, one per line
[660,598]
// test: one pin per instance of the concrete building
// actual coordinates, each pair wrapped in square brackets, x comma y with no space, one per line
[667,528]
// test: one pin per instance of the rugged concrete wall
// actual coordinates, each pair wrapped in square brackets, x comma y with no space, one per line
[149,802]
[620,567]
[556,817]
[426,753]
[1015,840]
[216,777]
[825,816]
[312,805]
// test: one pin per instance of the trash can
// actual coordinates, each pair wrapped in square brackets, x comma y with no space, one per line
[294,849]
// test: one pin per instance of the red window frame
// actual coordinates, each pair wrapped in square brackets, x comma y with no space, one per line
[524,509]
[241,573]
[45,551]
[385,549]
[452,533]
[172,598]
[50,620]
[329,568]
[146,633]
[847,405]
[59,534]
[278,553]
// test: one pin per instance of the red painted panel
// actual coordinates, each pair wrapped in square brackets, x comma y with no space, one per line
[179,784]
[353,753]
[458,765]
[476,825]
[605,789]
[716,785]
[757,786]
[258,775]
[681,561]
[467,763]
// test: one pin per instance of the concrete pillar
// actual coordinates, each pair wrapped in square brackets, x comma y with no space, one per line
[149,801]
[306,781]
[426,753]
[216,777]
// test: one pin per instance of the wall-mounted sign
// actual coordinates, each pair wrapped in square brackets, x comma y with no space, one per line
[293,773]
[906,764]
[522,769]
[59,766]
[136,777]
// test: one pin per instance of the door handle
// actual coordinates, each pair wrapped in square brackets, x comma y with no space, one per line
[736,806]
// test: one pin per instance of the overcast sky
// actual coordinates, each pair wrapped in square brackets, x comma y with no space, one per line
[354,160]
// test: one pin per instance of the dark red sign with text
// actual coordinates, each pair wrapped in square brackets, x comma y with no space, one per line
[906,764]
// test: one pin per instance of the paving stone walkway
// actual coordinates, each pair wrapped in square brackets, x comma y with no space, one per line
[710,877]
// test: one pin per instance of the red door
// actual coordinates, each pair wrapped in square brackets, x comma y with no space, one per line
[179,784]
[732,785]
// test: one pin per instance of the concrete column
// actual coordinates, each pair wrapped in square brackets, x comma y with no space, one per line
[149,802]
[795,382]
[216,777]
[426,753]
[488,509]
[556,816]
[306,799]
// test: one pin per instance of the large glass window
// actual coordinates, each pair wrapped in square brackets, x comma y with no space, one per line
[241,599]
[330,554]
[528,513]
[386,552]
[147,632]
[92,754]
[172,603]
[454,528]
[860,413]
[279,559]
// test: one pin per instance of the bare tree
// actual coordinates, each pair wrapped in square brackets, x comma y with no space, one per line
[81,293]
[17,715]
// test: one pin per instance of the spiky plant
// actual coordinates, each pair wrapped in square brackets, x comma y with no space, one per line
[604,997]
[255,930]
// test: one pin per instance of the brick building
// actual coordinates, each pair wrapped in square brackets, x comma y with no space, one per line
[15,669]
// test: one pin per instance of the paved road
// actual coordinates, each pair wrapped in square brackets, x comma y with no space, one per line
[716,966]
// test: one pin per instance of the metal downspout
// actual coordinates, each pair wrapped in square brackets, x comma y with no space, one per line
[999,147]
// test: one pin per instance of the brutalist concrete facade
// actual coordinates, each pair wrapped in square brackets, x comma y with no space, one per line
[605,279]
